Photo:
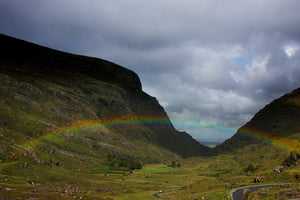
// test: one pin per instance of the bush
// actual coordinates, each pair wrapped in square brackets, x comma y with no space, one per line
[127,162]
[174,164]
[250,168]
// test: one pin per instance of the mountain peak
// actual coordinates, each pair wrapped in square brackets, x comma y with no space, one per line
[24,56]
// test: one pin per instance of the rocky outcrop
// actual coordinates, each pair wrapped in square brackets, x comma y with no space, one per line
[278,169]
[259,179]
[292,159]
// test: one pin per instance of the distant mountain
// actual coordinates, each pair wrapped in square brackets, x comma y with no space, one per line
[278,123]
[54,103]
[209,142]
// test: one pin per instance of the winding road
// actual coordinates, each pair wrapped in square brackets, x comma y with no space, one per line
[237,194]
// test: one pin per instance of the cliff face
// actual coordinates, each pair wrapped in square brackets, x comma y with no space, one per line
[278,120]
[43,90]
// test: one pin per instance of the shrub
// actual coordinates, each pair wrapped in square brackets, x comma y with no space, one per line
[250,168]
[174,164]
[127,162]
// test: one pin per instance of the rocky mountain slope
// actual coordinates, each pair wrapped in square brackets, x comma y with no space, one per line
[277,123]
[45,94]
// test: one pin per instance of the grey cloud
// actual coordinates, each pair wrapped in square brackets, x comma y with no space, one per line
[191,55]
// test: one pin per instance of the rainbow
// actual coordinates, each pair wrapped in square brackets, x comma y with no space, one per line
[137,122]
[281,142]
[284,143]
[120,123]
[91,125]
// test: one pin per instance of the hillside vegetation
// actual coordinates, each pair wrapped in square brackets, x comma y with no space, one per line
[75,127]
[65,117]
[43,90]
[278,123]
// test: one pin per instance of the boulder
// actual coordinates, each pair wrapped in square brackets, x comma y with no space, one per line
[259,179]
[246,194]
[292,159]
[278,169]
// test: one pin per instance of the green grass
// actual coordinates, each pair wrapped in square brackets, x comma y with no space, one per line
[156,169]
[34,166]
[211,178]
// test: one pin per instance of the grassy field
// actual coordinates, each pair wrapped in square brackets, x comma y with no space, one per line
[196,178]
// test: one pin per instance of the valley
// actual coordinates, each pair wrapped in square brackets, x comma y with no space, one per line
[75,127]
[194,178]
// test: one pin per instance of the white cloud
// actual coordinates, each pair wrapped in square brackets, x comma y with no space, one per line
[209,65]
[290,50]
[256,72]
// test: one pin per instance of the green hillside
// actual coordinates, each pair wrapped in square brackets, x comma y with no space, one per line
[44,89]
[278,123]
[65,118]
[75,127]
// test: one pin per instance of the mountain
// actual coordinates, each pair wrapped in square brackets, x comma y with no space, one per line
[277,123]
[54,103]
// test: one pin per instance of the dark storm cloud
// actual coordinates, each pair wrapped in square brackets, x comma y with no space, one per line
[207,61]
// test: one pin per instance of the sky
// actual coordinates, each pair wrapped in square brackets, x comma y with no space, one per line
[210,63]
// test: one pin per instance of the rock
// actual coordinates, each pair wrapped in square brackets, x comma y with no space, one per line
[246,194]
[292,159]
[259,179]
[25,165]
[294,193]
[102,190]
[232,185]
[285,186]
[55,163]
[3,122]
[9,189]
[278,169]
[228,186]
[263,192]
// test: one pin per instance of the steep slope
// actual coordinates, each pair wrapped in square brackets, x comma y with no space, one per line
[277,123]
[44,90]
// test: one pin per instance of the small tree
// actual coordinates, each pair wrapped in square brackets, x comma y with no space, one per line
[173,164]
[250,168]
[127,162]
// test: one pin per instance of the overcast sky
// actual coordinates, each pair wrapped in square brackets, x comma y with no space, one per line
[211,63]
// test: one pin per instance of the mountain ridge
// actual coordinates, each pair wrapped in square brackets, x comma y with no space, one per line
[44,88]
[276,121]
[30,56]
